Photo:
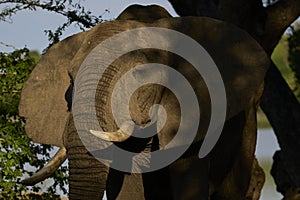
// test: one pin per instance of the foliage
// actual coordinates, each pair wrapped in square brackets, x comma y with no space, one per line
[17,150]
[72,10]
[280,58]
[294,56]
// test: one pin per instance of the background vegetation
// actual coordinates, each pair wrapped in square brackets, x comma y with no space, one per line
[286,56]
[294,56]
[18,153]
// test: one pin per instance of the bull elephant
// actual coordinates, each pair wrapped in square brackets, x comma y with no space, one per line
[227,172]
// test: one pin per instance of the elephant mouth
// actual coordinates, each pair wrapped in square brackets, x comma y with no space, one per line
[127,129]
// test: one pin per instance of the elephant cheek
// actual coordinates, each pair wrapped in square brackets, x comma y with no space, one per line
[142,101]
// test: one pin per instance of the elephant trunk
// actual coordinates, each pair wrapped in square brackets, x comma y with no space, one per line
[49,169]
[87,179]
[87,175]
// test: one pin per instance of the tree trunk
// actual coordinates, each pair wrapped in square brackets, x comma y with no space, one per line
[285,120]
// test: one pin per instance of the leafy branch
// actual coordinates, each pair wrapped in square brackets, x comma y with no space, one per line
[294,52]
[17,149]
[73,11]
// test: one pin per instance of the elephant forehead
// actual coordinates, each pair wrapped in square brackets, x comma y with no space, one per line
[142,13]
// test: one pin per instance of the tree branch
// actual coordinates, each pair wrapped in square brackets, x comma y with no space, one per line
[279,17]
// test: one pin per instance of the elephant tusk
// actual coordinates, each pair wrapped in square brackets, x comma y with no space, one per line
[49,169]
[118,136]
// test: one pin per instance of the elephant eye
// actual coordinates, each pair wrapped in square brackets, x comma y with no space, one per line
[69,96]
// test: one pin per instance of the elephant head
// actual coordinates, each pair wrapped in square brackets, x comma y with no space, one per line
[241,62]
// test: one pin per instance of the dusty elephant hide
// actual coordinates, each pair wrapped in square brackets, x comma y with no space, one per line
[46,113]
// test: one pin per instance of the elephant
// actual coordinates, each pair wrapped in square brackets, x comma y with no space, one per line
[229,171]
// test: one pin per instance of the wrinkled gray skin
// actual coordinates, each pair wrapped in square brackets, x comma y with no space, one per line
[227,173]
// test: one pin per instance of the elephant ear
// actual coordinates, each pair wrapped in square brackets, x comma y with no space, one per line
[42,100]
[241,61]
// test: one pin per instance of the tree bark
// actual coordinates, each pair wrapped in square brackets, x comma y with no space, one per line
[285,122]
[280,16]
[266,25]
